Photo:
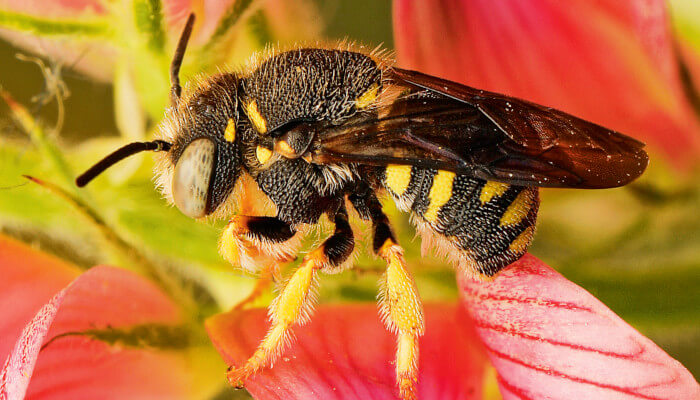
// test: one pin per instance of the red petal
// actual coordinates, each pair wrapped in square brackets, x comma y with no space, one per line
[29,280]
[346,353]
[549,338]
[78,367]
[609,61]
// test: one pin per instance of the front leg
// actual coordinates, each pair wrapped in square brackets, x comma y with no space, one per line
[295,301]
[257,242]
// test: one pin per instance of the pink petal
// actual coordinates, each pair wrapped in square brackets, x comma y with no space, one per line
[346,353]
[77,367]
[608,61]
[549,338]
[29,280]
[54,8]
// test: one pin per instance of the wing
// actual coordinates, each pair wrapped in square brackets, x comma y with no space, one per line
[435,123]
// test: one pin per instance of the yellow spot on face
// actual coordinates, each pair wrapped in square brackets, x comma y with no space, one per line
[282,147]
[520,244]
[492,189]
[440,193]
[230,132]
[518,209]
[367,97]
[255,117]
[263,154]
[397,178]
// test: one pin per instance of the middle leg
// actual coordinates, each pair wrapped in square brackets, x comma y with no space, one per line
[295,302]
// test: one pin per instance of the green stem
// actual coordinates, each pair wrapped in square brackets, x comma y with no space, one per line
[94,27]
[39,137]
[234,14]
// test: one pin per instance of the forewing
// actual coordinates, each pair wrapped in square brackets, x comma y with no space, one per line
[441,124]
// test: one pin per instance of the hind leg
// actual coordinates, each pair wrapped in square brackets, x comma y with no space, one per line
[400,304]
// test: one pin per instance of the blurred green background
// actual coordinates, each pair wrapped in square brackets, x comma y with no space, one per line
[637,249]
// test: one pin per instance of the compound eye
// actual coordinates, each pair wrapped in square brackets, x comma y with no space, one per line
[193,172]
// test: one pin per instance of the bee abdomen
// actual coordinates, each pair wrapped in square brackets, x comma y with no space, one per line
[480,225]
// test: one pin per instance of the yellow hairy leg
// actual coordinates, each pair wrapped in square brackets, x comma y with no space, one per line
[292,306]
[402,312]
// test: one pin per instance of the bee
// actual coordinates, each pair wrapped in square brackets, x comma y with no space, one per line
[321,130]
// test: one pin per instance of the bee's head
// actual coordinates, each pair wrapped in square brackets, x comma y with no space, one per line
[200,159]
[204,161]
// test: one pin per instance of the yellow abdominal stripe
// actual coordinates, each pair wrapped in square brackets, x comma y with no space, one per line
[440,193]
[230,132]
[518,209]
[519,245]
[492,189]
[397,178]
[255,117]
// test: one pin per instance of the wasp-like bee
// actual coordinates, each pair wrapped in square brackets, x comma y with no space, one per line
[320,130]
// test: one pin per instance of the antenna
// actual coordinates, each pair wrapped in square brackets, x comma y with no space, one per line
[175,88]
[122,153]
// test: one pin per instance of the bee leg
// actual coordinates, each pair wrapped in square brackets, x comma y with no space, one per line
[400,305]
[256,243]
[295,302]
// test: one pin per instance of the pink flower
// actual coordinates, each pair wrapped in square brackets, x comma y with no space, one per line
[545,336]
[608,61]
[66,335]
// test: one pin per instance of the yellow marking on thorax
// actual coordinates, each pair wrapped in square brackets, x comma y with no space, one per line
[520,244]
[255,117]
[440,193]
[397,178]
[492,189]
[367,97]
[283,148]
[263,154]
[518,209]
[230,132]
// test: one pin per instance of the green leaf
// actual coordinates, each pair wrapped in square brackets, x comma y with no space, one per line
[233,15]
[157,336]
[259,28]
[91,28]
[148,17]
